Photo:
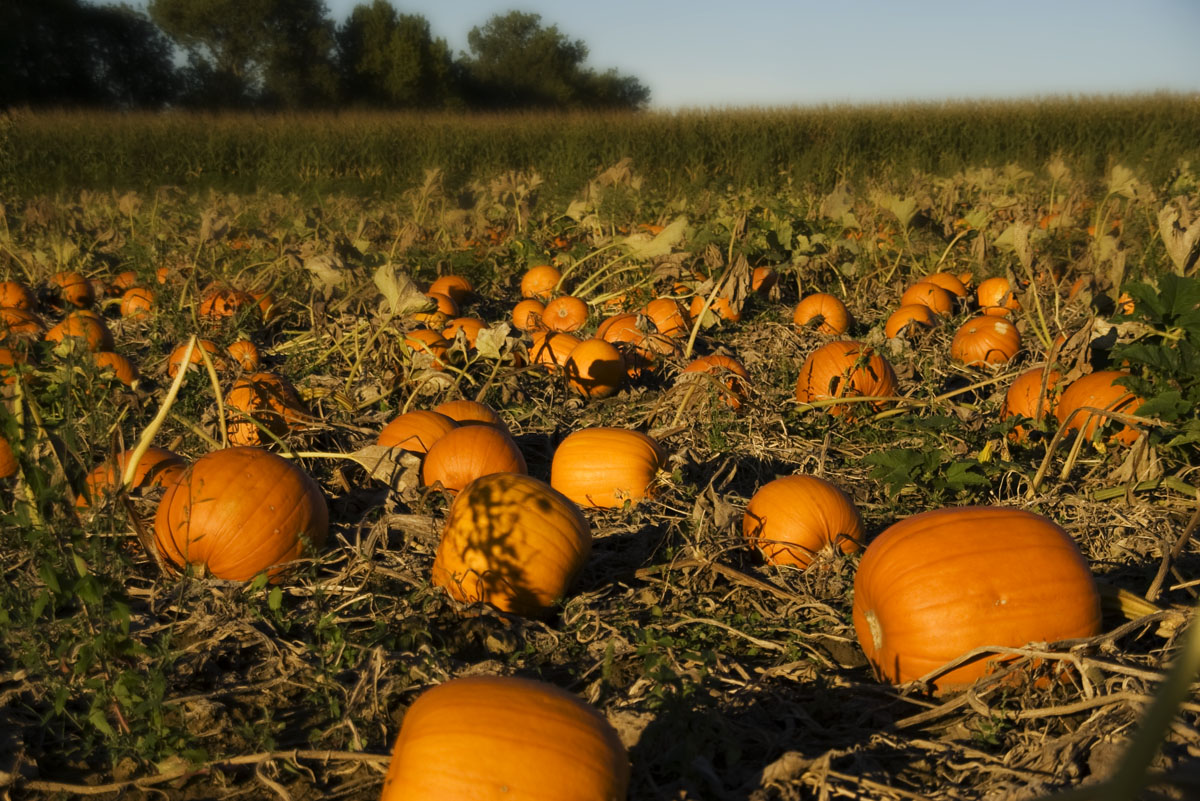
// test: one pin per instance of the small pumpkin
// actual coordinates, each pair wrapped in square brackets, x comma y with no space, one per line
[845,369]
[137,303]
[125,371]
[84,328]
[730,372]
[939,300]
[458,287]
[1026,398]
[565,313]
[470,327]
[1098,390]
[793,518]
[265,401]
[667,316]
[996,297]
[73,289]
[527,315]
[175,360]
[721,306]
[490,737]
[123,281]
[469,412]
[552,349]
[245,353]
[763,279]
[428,342]
[939,584]
[15,295]
[823,311]
[595,369]
[158,467]
[465,453]
[949,282]
[540,281]
[907,319]
[985,342]
[239,512]
[220,302]
[605,467]
[20,324]
[511,541]
[415,431]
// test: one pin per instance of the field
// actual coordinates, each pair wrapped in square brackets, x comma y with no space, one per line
[724,675]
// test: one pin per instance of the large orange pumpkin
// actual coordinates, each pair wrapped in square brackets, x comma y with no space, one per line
[416,431]
[552,349]
[949,282]
[124,370]
[136,303]
[845,369]
[73,289]
[793,518]
[942,583]
[428,341]
[470,327]
[605,467]
[458,287]
[467,452]
[240,511]
[1098,390]
[985,341]
[939,300]
[221,301]
[996,297]
[512,541]
[527,315]
[827,312]
[494,737]
[158,467]
[595,369]
[469,412]
[20,324]
[264,400]
[667,316]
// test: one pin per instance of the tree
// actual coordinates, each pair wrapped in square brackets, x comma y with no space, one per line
[392,60]
[244,52]
[519,63]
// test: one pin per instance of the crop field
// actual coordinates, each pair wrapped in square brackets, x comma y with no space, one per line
[240,545]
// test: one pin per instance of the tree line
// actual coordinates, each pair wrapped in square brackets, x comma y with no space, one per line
[289,54]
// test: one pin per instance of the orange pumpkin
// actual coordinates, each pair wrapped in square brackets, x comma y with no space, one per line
[9,361]
[469,412]
[85,328]
[73,289]
[721,306]
[125,371]
[939,300]
[527,315]
[605,467]
[468,452]
[123,281]
[621,327]
[241,511]
[220,302]
[763,279]
[437,317]
[907,319]
[540,282]
[490,737]
[942,583]
[175,360]
[595,369]
[245,353]
[1098,390]
[15,295]
[457,287]
[793,518]
[667,316]
[1026,398]
[265,401]
[552,349]
[996,297]
[158,467]
[416,431]
[430,342]
[949,282]
[20,324]
[511,541]
[565,313]
[845,369]
[9,466]
[470,326]
[824,311]
[985,341]
[730,372]
[137,303]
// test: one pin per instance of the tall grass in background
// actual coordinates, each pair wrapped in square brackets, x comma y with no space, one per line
[381,153]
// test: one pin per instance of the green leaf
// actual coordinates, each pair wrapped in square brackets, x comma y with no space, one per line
[275,599]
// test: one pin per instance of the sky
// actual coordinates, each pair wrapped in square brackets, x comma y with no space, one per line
[729,53]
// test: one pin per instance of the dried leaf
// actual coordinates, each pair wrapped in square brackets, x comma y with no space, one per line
[400,295]
[396,467]
[494,342]
[641,246]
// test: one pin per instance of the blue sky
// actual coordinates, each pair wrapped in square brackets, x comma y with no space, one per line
[705,53]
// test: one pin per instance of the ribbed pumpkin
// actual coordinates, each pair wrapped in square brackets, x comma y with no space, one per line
[996,297]
[539,282]
[124,370]
[512,541]
[527,315]
[907,319]
[488,738]
[470,327]
[245,353]
[137,303]
[605,467]
[731,373]
[949,282]
[924,293]
[667,316]
[1098,390]
[553,348]
[175,360]
[73,289]
[827,312]
[793,518]
[467,452]
[834,371]
[15,295]
[985,341]
[241,511]
[457,287]
[158,467]
[565,313]
[942,583]
[469,412]
[269,401]
[595,369]
[1025,398]
[416,431]
[763,279]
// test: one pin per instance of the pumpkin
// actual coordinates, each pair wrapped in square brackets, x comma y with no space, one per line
[939,300]
[73,289]
[467,452]
[985,341]
[245,353]
[9,466]
[15,295]
[1097,390]
[823,311]
[175,360]
[949,282]
[793,518]
[511,541]
[667,316]
[124,370]
[1026,398]
[565,313]
[241,511]
[527,315]
[415,431]
[763,279]
[732,374]
[9,361]
[937,585]
[540,282]
[641,351]
[442,313]
[493,737]
[123,281]
[470,326]
[85,328]
[137,303]
[845,369]
[456,287]
[595,369]
[266,401]
[220,302]
[996,297]
[266,304]
[605,467]
[621,327]
[908,319]
[429,342]
[158,467]
[721,306]
[469,412]
[552,349]
[21,323]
